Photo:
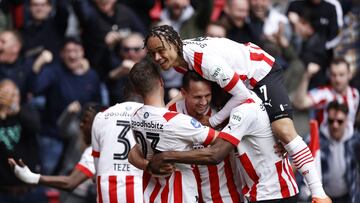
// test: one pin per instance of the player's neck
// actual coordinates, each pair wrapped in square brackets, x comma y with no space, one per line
[182,63]
[155,99]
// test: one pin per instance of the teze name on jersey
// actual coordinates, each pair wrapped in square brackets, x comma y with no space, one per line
[197,41]
[149,125]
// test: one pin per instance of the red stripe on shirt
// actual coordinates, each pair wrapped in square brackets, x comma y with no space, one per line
[113,189]
[197,62]
[283,186]
[145,179]
[299,153]
[248,101]
[245,190]
[84,170]
[210,137]
[261,57]
[233,140]
[165,192]
[198,182]
[243,77]
[155,192]
[230,180]
[173,107]
[249,168]
[95,154]
[214,184]
[287,172]
[99,189]
[177,187]
[169,115]
[130,198]
[232,82]
[180,69]
[253,82]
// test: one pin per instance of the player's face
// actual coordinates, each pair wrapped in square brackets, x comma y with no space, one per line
[337,123]
[40,9]
[164,54]
[339,77]
[197,97]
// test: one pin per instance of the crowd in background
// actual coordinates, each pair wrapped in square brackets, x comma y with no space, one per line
[58,55]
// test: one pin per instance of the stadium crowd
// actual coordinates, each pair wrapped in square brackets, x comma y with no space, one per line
[61,58]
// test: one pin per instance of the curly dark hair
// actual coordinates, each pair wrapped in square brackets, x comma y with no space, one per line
[169,34]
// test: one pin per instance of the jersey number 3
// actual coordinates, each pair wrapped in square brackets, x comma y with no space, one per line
[122,139]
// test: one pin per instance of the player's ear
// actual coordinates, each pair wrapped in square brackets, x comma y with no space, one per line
[162,84]
[183,92]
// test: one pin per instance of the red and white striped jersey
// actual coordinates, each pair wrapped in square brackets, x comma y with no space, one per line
[234,66]
[117,180]
[86,163]
[266,176]
[217,183]
[322,96]
[157,129]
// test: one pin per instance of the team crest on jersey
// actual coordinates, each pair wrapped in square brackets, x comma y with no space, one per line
[195,123]
[146,115]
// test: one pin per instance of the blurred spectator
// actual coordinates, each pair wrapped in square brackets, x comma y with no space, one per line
[265,21]
[62,83]
[104,23]
[339,158]
[79,179]
[19,126]
[215,29]
[313,48]
[349,45]
[12,64]
[236,20]
[43,30]
[5,15]
[339,90]
[325,21]
[131,51]
[141,8]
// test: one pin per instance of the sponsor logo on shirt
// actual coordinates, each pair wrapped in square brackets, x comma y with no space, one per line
[195,123]
[216,72]
[120,114]
[236,118]
[150,125]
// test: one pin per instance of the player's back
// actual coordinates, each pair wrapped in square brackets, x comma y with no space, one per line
[112,140]
[157,129]
[266,175]
[215,55]
[217,183]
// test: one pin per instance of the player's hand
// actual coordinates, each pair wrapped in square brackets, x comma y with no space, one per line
[313,68]
[280,149]
[157,165]
[321,200]
[204,120]
[23,172]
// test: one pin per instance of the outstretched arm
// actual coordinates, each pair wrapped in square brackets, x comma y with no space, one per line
[208,155]
[68,183]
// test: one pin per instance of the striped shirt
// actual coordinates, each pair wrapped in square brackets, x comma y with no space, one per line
[157,129]
[117,180]
[266,176]
[216,183]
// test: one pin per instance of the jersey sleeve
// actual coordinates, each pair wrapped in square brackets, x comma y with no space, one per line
[239,125]
[95,137]
[217,70]
[184,131]
[86,163]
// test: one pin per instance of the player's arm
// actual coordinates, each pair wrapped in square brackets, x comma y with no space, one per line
[302,100]
[68,183]
[208,155]
[230,81]
[136,158]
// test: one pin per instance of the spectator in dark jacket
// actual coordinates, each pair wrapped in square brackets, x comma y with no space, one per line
[71,80]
